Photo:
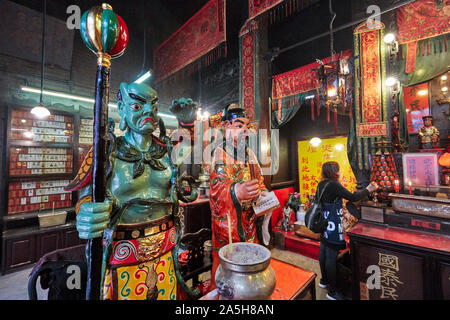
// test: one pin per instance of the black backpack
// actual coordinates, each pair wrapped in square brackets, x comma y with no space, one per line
[314,219]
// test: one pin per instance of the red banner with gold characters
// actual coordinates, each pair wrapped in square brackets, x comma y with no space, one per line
[371,78]
[256,7]
[370,59]
[423,19]
[248,41]
[367,130]
[202,33]
[302,79]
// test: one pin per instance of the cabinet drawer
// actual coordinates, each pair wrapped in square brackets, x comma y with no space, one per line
[71,238]
[20,252]
[48,242]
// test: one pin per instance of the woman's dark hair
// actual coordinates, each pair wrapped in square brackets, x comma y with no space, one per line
[330,171]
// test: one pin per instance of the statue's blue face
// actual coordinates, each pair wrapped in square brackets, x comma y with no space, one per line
[139,107]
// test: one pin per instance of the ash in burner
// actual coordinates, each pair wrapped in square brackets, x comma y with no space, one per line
[245,254]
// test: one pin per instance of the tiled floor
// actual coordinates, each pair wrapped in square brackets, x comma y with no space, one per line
[14,286]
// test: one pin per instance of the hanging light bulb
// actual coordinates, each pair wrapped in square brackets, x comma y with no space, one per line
[40,111]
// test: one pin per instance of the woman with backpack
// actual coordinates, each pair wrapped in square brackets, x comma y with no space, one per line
[332,239]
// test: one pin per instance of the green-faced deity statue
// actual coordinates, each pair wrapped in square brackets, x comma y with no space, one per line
[139,219]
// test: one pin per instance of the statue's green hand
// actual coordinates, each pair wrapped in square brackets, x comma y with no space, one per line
[185,109]
[93,218]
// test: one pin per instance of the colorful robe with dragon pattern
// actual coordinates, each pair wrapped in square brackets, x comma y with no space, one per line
[245,226]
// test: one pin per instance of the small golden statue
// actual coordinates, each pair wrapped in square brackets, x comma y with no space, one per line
[428,134]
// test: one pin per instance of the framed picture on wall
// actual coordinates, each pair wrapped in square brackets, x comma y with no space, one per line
[420,169]
[417,105]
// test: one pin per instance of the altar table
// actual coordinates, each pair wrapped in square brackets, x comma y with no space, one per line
[293,283]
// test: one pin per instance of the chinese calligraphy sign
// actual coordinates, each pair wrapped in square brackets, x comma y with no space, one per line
[311,158]
[420,169]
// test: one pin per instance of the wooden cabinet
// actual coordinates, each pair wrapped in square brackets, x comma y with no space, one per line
[444,271]
[23,247]
[20,252]
[197,215]
[390,263]
[70,238]
[40,156]
[48,242]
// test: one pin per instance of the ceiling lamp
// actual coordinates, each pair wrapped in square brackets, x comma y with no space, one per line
[40,111]
[333,78]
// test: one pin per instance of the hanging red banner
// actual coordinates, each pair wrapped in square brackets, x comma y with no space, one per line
[370,59]
[256,7]
[302,79]
[249,67]
[423,19]
[202,33]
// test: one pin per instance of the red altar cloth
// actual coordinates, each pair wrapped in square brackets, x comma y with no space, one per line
[438,242]
[291,281]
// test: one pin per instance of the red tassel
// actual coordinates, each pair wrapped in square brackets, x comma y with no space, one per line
[312,109]
[445,44]
[335,121]
[328,112]
[343,101]
[279,109]
[429,48]
[423,49]
[318,102]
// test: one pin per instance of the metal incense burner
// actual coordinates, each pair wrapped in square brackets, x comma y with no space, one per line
[244,272]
